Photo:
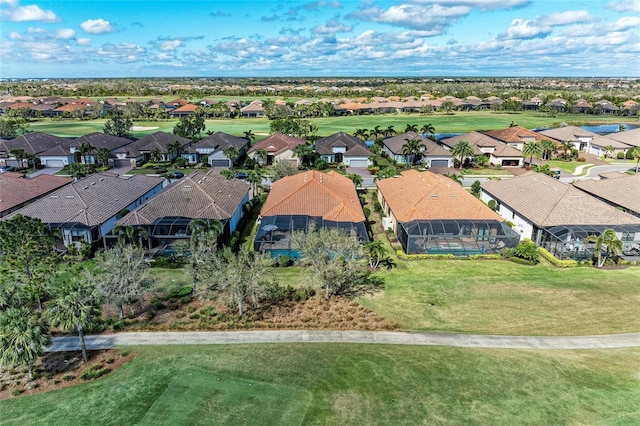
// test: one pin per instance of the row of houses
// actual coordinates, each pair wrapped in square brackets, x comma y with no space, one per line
[177,108]
[427,212]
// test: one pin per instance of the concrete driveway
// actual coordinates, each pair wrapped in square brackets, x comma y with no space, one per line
[46,171]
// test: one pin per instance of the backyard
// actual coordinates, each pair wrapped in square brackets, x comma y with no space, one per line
[347,384]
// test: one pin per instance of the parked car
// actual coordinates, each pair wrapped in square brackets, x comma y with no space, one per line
[176,175]
[242,175]
[7,169]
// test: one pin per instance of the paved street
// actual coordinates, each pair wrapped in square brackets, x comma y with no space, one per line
[361,337]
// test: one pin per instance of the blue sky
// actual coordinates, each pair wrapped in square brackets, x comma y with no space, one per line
[162,38]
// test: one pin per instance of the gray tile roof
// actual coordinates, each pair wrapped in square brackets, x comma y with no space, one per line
[92,200]
[629,137]
[546,201]
[622,191]
[101,140]
[354,146]
[197,196]
[568,133]
[395,144]
[478,140]
[35,143]
[158,140]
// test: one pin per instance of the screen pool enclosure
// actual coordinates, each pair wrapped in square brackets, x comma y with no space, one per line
[457,237]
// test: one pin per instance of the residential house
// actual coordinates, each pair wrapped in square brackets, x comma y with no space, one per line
[627,137]
[433,155]
[253,110]
[604,106]
[213,147]
[580,138]
[183,111]
[89,208]
[279,147]
[498,153]
[343,148]
[95,141]
[329,200]
[558,216]
[16,190]
[620,190]
[160,141]
[599,144]
[432,214]
[516,136]
[208,196]
[32,144]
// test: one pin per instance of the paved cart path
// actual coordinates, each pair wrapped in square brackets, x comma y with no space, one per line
[107,341]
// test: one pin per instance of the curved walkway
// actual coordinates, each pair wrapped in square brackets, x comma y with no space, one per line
[606,341]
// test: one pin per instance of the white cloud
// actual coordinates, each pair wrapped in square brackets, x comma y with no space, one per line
[331,27]
[122,52]
[542,26]
[32,12]
[96,26]
[169,45]
[83,41]
[15,36]
[627,22]
[624,5]
[65,34]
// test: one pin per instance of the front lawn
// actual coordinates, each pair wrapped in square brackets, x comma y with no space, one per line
[501,297]
[346,384]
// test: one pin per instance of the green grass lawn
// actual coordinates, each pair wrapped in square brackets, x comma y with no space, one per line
[501,297]
[292,384]
[567,166]
[463,121]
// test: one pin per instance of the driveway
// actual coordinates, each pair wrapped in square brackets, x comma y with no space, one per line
[364,173]
[606,341]
[46,171]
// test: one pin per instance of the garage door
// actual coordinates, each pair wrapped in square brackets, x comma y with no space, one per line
[219,163]
[358,163]
[439,163]
[55,163]
[121,163]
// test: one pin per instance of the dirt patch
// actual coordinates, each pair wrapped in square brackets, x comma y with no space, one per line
[316,313]
[142,128]
[60,370]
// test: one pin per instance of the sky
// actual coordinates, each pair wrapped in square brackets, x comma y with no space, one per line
[271,38]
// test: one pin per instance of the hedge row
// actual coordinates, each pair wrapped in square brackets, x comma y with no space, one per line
[569,263]
[401,255]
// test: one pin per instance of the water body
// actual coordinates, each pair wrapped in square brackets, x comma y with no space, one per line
[603,129]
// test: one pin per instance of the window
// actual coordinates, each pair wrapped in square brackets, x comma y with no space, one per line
[628,236]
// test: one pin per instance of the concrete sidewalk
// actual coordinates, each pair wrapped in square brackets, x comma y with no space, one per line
[607,341]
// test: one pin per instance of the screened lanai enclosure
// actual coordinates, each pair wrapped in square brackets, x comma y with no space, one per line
[569,241]
[274,233]
[457,237]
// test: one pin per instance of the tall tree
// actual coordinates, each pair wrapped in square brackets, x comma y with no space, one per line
[242,277]
[155,155]
[75,306]
[174,147]
[23,337]
[27,248]
[103,156]
[413,149]
[566,147]
[609,243]
[532,149]
[548,149]
[250,136]
[462,150]
[389,131]
[118,126]
[333,257]
[635,154]
[190,127]
[84,150]
[121,274]
[608,151]
[428,130]
[411,128]
[232,153]
[362,134]
[254,178]
[376,133]
[130,234]
[19,154]
[376,253]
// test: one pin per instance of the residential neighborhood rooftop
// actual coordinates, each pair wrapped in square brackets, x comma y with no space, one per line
[623,191]
[16,189]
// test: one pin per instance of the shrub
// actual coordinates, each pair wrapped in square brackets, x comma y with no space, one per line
[16,392]
[492,205]
[118,325]
[527,250]
[620,155]
[569,263]
[68,377]
[629,155]
[581,159]
[94,372]
[377,206]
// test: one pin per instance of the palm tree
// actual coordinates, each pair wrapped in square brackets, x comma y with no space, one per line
[635,153]
[548,148]
[155,155]
[454,177]
[376,133]
[411,128]
[608,151]
[428,130]
[19,154]
[362,134]
[356,179]
[389,131]
[103,156]
[262,155]
[462,150]
[413,149]
[75,306]
[376,252]
[532,149]
[130,234]
[303,152]
[566,147]
[250,136]
[23,337]
[84,149]
[254,177]
[231,152]
[175,147]
[608,241]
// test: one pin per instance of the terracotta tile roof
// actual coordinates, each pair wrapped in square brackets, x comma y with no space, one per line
[515,134]
[92,200]
[19,105]
[568,133]
[186,108]
[622,190]
[16,190]
[197,196]
[424,196]
[71,107]
[316,194]
[480,140]
[277,143]
[546,201]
